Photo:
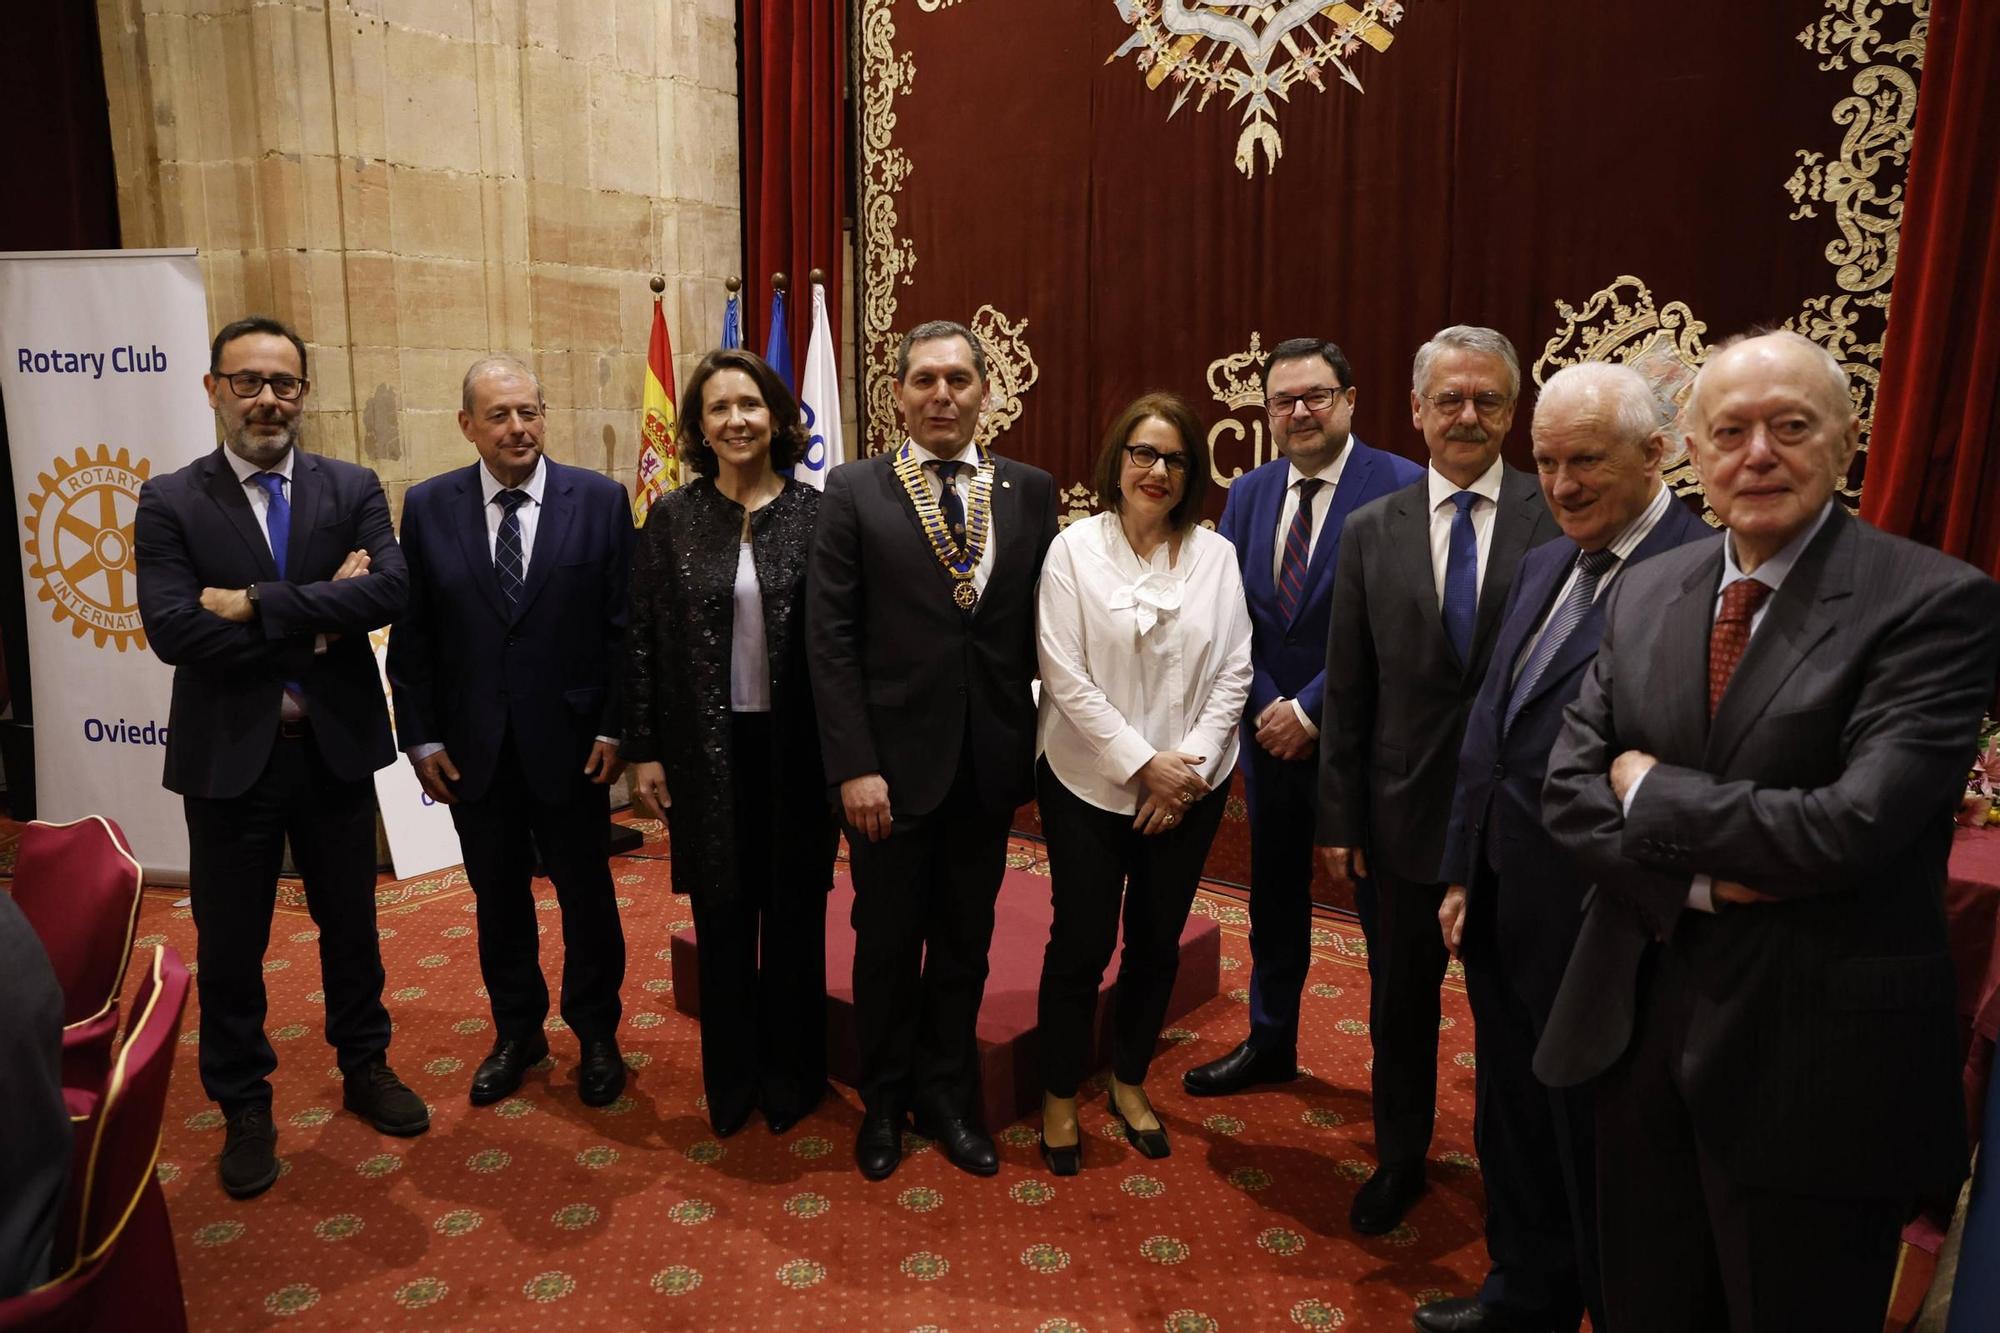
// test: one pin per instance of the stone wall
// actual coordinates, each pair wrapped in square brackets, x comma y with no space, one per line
[415,183]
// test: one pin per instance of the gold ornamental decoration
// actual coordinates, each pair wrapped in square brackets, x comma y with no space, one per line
[1010,370]
[1236,381]
[1255,53]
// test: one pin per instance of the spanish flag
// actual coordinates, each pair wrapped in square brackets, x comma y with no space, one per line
[659,464]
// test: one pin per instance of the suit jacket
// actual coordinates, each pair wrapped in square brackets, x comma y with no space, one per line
[899,672]
[1523,892]
[1396,695]
[1288,654]
[1822,1056]
[195,529]
[466,667]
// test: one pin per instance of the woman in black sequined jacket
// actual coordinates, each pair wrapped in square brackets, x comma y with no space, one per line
[720,735]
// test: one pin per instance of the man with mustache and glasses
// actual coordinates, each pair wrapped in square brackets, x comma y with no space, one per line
[1422,578]
[262,568]
[1285,519]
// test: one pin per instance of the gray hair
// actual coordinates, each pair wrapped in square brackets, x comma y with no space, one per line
[1635,410]
[1466,338]
[930,331]
[1823,361]
[495,365]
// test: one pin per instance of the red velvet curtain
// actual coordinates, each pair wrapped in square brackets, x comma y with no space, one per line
[1934,458]
[794,159]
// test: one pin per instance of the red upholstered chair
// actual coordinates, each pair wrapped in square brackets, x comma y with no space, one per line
[121,1270]
[78,885]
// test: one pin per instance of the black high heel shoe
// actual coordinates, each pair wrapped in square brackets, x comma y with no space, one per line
[1064,1161]
[1150,1142]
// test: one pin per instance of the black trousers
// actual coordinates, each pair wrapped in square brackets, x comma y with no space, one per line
[500,834]
[1407,959]
[235,849]
[1535,1146]
[1281,794]
[762,947]
[1687,1246]
[923,921]
[1097,860]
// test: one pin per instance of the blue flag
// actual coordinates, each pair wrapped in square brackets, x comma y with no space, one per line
[778,347]
[732,323]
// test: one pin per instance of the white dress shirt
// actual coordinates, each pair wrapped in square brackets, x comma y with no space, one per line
[1622,547]
[749,653]
[1139,656]
[1443,512]
[963,485]
[1322,505]
[529,513]
[1772,574]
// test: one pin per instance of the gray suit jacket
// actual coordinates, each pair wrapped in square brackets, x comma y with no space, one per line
[1396,697]
[1822,1055]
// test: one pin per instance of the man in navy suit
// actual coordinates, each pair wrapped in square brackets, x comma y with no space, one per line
[503,670]
[1285,520]
[262,568]
[1515,900]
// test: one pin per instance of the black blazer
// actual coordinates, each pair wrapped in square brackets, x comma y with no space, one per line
[466,667]
[899,672]
[1823,1057]
[1523,894]
[195,529]
[1396,694]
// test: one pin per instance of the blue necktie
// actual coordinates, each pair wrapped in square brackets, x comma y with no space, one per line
[277,516]
[1461,579]
[954,508]
[507,561]
[1591,567]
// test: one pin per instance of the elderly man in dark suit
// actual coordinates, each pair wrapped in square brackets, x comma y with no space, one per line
[920,615]
[1285,519]
[262,568]
[505,702]
[1422,578]
[1515,902]
[1759,775]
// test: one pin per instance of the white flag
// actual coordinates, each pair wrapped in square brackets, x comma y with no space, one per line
[819,400]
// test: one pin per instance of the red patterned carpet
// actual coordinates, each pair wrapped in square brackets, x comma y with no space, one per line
[539,1209]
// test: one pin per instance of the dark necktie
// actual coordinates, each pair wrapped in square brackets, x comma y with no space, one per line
[1298,549]
[1731,635]
[1461,579]
[277,516]
[954,508]
[1591,567]
[507,560]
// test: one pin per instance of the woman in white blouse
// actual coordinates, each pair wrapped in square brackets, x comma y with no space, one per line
[1145,655]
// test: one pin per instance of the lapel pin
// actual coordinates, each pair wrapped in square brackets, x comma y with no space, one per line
[1006,485]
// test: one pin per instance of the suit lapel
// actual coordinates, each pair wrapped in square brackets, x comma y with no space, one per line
[552,527]
[1009,518]
[1261,535]
[1681,663]
[1513,524]
[1354,479]
[227,492]
[468,517]
[1540,580]
[1410,540]
[1795,624]
[308,496]
[893,494]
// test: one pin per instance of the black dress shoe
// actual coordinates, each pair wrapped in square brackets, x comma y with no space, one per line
[1460,1315]
[968,1146]
[1152,1142]
[1063,1161]
[502,1070]
[600,1077]
[1244,1067]
[728,1122]
[373,1092]
[249,1162]
[791,1112]
[879,1146]
[1381,1203]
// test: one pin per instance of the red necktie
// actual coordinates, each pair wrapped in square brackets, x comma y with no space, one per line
[1298,548]
[1731,635]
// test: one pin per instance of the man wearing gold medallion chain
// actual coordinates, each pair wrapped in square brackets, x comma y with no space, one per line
[921,622]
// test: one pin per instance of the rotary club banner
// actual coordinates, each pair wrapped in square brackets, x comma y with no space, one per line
[101,358]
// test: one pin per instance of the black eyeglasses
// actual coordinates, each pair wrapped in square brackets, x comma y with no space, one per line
[248,384]
[1451,402]
[1144,456]
[1316,400]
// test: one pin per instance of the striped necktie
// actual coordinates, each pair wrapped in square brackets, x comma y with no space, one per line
[1591,567]
[507,560]
[1298,549]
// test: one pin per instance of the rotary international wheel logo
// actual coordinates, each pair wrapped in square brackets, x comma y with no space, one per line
[80,544]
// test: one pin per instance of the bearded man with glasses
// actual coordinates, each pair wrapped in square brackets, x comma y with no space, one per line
[261,570]
[1285,519]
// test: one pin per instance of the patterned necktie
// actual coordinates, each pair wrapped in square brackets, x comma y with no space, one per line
[1461,579]
[507,561]
[277,516]
[954,508]
[1591,567]
[1731,635]
[1298,549]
